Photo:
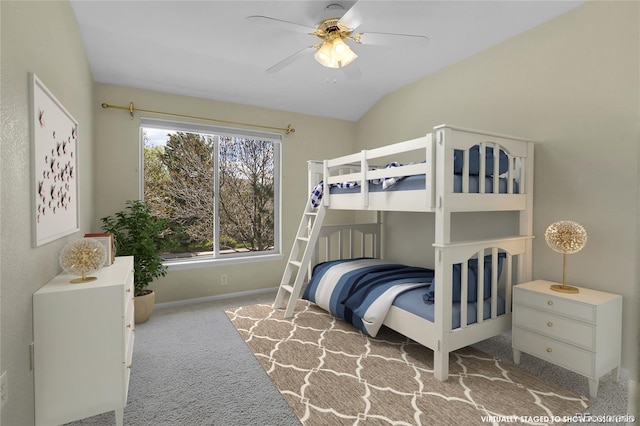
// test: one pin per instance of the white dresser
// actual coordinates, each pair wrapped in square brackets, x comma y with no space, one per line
[581,332]
[83,344]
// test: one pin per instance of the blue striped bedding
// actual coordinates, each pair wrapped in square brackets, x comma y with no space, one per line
[360,291]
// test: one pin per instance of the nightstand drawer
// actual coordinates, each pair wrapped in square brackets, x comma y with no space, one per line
[562,306]
[551,325]
[573,358]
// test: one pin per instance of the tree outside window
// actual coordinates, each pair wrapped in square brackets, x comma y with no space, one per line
[217,191]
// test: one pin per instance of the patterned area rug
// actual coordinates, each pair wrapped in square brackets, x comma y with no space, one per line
[331,374]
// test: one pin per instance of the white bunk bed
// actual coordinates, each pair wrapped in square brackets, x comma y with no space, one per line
[454,173]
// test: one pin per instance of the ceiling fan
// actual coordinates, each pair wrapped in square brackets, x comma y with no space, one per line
[335,31]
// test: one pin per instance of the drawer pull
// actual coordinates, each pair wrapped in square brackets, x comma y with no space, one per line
[550,302]
[129,366]
[128,325]
[549,324]
[128,290]
[549,350]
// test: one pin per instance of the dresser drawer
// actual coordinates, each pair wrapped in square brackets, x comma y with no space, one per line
[128,284]
[128,359]
[579,360]
[562,306]
[129,322]
[552,325]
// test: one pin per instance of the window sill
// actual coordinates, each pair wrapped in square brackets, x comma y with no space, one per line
[181,265]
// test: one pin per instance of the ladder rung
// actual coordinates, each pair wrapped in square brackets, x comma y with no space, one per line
[295,263]
[305,239]
[311,213]
[287,287]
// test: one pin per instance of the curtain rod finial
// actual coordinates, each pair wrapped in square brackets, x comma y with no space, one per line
[290,129]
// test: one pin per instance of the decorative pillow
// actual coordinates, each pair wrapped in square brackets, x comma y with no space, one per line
[472,273]
[474,161]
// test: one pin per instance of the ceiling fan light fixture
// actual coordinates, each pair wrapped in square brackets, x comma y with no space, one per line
[324,55]
[335,54]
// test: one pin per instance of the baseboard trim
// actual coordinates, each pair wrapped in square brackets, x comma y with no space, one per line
[217,297]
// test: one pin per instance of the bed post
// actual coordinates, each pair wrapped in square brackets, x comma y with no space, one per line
[443,273]
[526,217]
[377,244]
[314,176]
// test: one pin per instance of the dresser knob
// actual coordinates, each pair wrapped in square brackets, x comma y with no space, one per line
[129,366]
[128,290]
[550,302]
[128,325]
[549,324]
[549,350]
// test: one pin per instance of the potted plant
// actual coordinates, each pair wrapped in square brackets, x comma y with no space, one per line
[137,233]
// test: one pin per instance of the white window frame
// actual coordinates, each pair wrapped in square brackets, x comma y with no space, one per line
[216,258]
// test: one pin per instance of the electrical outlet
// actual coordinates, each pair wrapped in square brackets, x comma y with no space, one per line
[4,389]
[224,280]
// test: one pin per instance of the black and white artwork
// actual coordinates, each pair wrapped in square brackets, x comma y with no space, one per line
[54,164]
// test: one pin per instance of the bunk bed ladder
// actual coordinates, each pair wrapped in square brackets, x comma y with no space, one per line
[300,258]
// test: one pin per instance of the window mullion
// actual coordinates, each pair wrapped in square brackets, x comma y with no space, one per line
[216,191]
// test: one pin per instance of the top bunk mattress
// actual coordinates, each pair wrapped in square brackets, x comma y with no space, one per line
[417,182]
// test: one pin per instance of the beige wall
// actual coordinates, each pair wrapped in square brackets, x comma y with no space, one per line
[38,37]
[117,176]
[571,85]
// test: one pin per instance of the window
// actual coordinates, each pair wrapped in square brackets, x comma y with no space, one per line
[218,189]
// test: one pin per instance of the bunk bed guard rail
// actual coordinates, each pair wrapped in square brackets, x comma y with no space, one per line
[450,164]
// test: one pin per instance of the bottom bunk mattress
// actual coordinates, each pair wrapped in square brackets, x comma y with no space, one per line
[361,291]
[413,301]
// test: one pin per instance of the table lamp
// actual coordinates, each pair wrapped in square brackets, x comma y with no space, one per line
[82,257]
[565,237]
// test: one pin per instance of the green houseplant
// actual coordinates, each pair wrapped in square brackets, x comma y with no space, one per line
[137,233]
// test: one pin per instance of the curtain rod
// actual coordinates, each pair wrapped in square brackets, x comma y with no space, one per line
[289,129]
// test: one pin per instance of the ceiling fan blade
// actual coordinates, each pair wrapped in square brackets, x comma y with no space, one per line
[288,61]
[280,23]
[352,18]
[392,39]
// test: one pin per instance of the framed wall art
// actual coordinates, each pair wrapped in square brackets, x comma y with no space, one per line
[54,165]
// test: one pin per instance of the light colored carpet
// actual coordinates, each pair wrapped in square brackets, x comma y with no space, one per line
[331,374]
[191,367]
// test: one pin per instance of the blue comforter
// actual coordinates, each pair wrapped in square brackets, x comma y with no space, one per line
[361,291]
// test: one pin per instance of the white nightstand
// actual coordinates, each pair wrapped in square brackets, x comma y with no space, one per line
[581,332]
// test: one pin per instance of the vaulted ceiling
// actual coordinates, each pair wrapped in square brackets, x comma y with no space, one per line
[209,49]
